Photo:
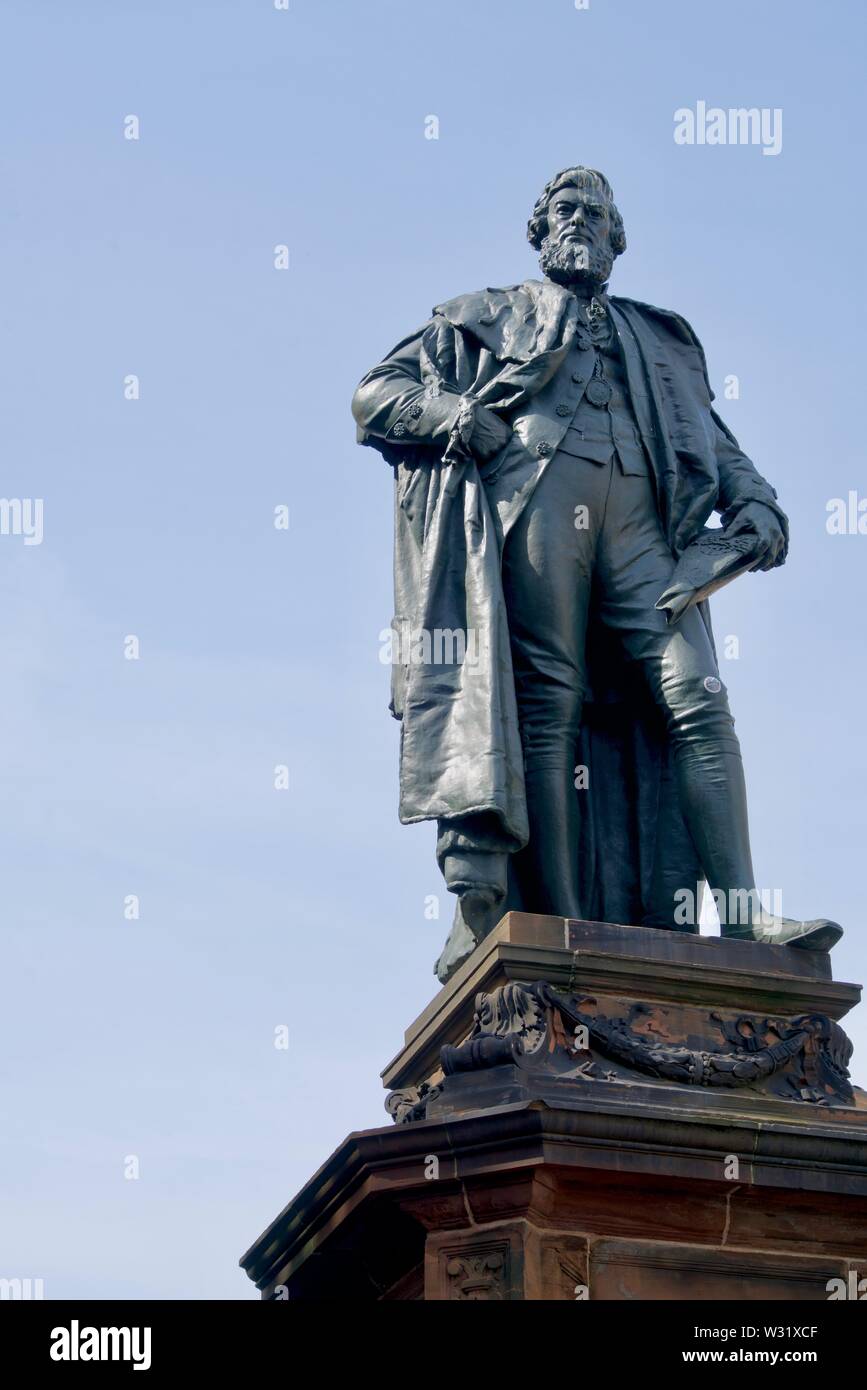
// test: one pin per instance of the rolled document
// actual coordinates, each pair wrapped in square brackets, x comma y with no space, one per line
[708,563]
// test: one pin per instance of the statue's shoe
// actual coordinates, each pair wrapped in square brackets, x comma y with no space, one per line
[819,935]
[475,915]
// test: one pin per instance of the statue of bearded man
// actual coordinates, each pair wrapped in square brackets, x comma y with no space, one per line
[555,453]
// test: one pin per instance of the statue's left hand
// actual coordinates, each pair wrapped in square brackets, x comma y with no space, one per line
[770,536]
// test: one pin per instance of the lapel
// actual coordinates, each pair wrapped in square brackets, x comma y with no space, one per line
[640,347]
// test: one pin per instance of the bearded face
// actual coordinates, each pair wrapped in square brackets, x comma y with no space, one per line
[576,251]
[571,262]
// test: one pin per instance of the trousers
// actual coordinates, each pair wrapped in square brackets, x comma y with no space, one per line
[591,534]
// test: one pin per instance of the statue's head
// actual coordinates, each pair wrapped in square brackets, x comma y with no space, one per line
[576,228]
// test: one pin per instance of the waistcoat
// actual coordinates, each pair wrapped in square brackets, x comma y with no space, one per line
[597,432]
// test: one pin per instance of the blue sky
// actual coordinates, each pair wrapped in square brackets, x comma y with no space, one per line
[154,777]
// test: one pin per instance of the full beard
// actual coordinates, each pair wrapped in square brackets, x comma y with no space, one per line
[575,265]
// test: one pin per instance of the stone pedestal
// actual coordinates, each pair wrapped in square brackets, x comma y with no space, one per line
[597,1111]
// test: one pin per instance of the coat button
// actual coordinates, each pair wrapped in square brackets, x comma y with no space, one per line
[577,378]
[415,411]
[543,449]
[564,409]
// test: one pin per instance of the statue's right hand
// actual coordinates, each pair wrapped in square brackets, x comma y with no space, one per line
[489,434]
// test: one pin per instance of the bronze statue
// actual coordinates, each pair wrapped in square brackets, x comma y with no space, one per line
[556,459]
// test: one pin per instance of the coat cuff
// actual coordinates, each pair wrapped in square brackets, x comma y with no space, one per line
[426,419]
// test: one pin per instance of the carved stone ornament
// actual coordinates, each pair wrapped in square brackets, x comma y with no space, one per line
[411,1103]
[478,1272]
[574,1037]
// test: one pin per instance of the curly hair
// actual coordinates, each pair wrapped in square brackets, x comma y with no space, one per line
[576,177]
